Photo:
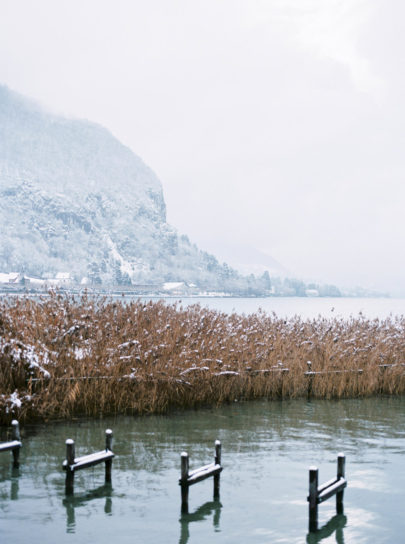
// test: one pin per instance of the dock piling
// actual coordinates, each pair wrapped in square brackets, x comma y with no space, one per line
[217,461]
[14,445]
[188,477]
[16,436]
[321,493]
[73,463]
[108,447]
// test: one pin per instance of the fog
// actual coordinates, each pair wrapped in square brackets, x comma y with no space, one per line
[275,126]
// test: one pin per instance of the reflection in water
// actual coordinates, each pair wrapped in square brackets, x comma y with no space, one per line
[277,440]
[199,515]
[15,485]
[334,525]
[72,502]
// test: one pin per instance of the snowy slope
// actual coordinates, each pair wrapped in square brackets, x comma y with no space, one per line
[74,199]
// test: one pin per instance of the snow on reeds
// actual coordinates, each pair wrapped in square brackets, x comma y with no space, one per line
[61,357]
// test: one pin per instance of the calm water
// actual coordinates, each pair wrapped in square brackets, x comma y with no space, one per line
[307,308]
[267,449]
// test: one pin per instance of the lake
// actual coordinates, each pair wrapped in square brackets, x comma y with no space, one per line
[306,307]
[267,448]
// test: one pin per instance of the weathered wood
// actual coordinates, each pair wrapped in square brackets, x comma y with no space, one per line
[10,446]
[341,466]
[13,445]
[319,494]
[189,478]
[327,484]
[217,461]
[203,474]
[70,460]
[108,448]
[88,460]
[312,498]
[333,489]
[73,463]
[16,438]
[184,482]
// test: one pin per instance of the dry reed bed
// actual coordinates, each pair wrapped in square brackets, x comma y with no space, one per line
[61,357]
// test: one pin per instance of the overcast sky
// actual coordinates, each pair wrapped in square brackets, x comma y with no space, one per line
[274,124]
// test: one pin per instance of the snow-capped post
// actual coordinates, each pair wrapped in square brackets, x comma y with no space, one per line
[70,461]
[14,445]
[310,374]
[108,448]
[318,494]
[341,462]
[313,499]
[184,483]
[217,462]
[17,438]
[198,475]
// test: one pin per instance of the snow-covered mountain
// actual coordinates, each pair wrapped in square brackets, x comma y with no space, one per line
[74,199]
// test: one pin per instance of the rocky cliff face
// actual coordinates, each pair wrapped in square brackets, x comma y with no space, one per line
[74,199]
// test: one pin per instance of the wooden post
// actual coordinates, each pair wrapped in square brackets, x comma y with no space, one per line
[70,458]
[310,379]
[183,483]
[341,462]
[313,499]
[108,447]
[16,436]
[217,462]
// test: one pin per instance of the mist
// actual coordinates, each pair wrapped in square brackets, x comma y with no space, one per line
[276,127]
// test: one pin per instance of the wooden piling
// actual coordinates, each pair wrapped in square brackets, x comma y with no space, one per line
[108,447]
[70,461]
[183,482]
[313,499]
[16,436]
[217,462]
[341,462]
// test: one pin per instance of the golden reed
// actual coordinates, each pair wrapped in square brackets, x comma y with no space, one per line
[63,356]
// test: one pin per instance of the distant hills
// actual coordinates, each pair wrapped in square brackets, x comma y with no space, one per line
[75,202]
[74,199]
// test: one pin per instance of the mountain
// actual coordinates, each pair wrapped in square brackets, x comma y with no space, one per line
[74,199]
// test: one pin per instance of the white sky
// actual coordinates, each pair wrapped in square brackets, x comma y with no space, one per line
[275,124]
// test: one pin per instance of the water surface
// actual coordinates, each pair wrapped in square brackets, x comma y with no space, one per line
[267,450]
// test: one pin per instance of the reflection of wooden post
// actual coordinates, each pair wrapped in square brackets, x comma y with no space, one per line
[184,483]
[217,462]
[70,459]
[313,499]
[16,436]
[341,461]
[108,447]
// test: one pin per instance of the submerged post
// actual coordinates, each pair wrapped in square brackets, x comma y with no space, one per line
[341,462]
[16,436]
[183,482]
[108,447]
[217,462]
[70,461]
[313,499]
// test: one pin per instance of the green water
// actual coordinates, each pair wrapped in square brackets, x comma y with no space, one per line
[267,448]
